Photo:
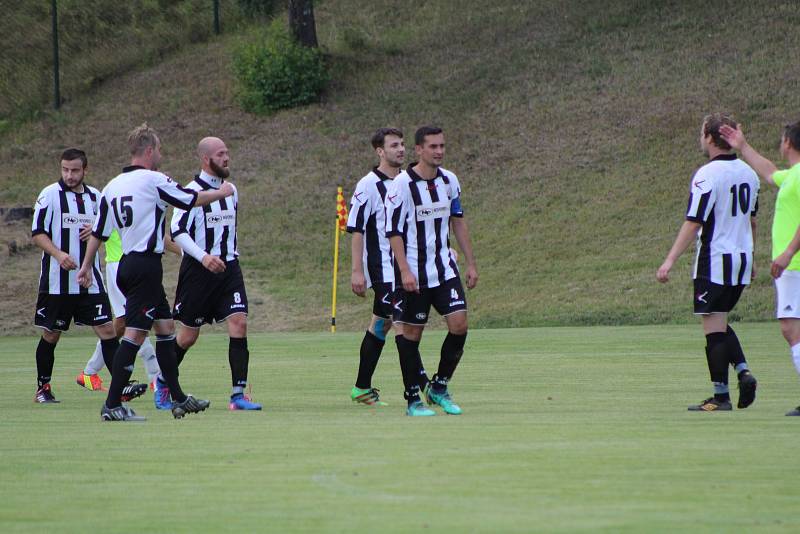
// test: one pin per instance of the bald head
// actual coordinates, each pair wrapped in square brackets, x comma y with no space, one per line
[214,155]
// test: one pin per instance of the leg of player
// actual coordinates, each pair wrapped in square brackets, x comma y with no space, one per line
[109,344]
[790,328]
[45,360]
[165,352]
[715,327]
[121,370]
[239,360]
[452,350]
[408,351]
[90,378]
[148,355]
[369,354]
[186,337]
[747,382]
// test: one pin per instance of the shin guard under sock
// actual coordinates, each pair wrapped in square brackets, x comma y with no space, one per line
[109,347]
[717,357]
[407,351]
[121,371]
[165,354]
[239,359]
[45,359]
[369,354]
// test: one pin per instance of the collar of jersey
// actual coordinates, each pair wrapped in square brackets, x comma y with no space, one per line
[725,157]
[416,177]
[207,180]
[66,189]
[131,168]
[379,174]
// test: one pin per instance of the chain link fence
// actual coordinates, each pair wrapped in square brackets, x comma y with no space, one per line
[98,39]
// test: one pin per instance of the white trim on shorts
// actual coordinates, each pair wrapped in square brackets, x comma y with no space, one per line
[115,296]
[787,294]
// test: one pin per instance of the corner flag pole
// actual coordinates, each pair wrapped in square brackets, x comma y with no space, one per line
[341,226]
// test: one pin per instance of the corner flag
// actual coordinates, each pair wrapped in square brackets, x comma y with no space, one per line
[341,226]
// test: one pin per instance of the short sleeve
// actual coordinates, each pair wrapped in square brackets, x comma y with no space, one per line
[701,193]
[396,209]
[455,198]
[172,193]
[359,209]
[780,176]
[42,215]
[103,223]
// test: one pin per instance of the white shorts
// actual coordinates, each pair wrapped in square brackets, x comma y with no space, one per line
[115,296]
[787,295]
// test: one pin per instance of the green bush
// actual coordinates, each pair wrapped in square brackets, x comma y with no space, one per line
[275,72]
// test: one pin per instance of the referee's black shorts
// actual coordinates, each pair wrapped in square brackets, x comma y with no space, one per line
[140,277]
[715,298]
[203,297]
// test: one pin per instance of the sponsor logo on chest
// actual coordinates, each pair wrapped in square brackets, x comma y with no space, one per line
[217,219]
[435,210]
[76,220]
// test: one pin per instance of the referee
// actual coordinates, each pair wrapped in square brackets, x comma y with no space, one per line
[135,203]
[210,283]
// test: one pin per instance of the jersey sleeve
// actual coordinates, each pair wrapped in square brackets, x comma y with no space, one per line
[182,221]
[780,176]
[397,206]
[172,193]
[701,196]
[104,222]
[42,215]
[360,209]
[455,197]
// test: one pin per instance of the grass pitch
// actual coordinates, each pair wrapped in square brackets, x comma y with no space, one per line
[565,429]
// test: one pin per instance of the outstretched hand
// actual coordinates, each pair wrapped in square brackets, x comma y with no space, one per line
[733,136]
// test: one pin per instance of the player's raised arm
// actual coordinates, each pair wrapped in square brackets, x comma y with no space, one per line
[763,167]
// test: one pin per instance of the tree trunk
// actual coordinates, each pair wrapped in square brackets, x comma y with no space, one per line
[301,22]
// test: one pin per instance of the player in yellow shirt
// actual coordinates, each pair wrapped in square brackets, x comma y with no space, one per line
[785,228]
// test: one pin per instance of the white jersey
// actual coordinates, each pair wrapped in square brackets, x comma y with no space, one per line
[723,196]
[60,214]
[211,227]
[368,217]
[420,211]
[135,203]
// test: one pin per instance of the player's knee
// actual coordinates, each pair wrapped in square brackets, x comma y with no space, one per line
[51,336]
[237,325]
[380,327]
[457,324]
[187,337]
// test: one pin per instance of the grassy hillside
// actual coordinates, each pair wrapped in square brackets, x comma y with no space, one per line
[572,125]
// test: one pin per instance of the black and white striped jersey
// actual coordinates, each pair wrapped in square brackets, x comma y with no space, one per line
[420,211]
[723,196]
[211,227]
[368,217]
[60,214]
[135,203]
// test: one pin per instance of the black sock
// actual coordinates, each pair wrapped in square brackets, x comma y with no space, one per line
[121,371]
[45,359]
[422,379]
[109,347]
[239,358]
[407,351]
[165,354]
[452,350]
[735,353]
[180,352]
[717,357]
[371,348]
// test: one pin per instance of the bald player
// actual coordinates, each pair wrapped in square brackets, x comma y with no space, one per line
[210,284]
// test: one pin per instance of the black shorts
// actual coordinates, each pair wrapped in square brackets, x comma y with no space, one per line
[382,303]
[203,297]
[414,308]
[55,312]
[139,277]
[714,298]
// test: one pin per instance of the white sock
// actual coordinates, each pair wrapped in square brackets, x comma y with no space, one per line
[796,357]
[148,355]
[96,362]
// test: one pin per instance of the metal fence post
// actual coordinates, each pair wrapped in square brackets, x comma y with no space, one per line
[56,76]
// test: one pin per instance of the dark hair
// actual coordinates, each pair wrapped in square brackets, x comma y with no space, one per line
[75,153]
[711,125]
[792,133]
[424,131]
[379,138]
